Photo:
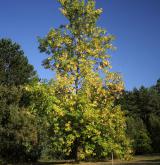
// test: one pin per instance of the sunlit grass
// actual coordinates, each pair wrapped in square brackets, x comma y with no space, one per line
[143,159]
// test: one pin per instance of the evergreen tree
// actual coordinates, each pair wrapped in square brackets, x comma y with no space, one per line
[18,128]
[142,109]
[14,66]
[139,135]
[157,86]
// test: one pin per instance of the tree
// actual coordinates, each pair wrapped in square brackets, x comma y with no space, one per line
[140,137]
[142,108]
[86,123]
[14,66]
[18,128]
[155,132]
[157,86]
[41,101]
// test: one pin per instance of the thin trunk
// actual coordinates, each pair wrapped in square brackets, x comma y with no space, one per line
[77,158]
[75,152]
[77,78]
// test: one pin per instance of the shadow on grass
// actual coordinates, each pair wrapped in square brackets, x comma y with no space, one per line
[151,160]
[55,162]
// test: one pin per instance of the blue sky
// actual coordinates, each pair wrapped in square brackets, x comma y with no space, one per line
[135,23]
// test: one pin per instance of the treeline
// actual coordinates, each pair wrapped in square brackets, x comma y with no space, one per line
[33,126]
[142,109]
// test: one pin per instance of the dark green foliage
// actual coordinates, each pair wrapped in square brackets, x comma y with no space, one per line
[142,107]
[157,86]
[14,66]
[18,128]
[139,135]
[155,132]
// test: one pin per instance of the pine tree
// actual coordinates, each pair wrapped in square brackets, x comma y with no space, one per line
[14,66]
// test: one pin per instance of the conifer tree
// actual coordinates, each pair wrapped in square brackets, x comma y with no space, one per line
[86,122]
[14,66]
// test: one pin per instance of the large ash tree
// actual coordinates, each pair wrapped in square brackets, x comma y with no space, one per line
[86,123]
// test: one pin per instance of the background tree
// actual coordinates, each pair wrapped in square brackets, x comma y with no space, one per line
[14,66]
[157,86]
[86,122]
[142,109]
[18,126]
[139,135]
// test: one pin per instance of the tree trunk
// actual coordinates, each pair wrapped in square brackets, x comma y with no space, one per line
[75,153]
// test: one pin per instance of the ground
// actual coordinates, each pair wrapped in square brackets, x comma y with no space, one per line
[143,160]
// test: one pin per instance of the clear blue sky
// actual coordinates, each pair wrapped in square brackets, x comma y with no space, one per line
[135,23]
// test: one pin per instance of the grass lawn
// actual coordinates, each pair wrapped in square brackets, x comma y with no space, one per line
[144,160]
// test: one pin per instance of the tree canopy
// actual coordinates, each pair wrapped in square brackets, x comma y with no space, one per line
[18,131]
[142,108]
[86,121]
[14,66]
